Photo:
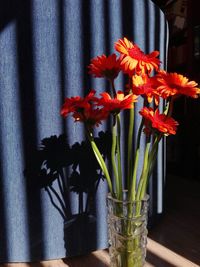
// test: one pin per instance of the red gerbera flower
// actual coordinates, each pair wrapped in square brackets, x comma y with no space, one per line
[103,66]
[84,109]
[118,103]
[161,122]
[171,84]
[146,86]
[77,103]
[91,117]
[134,60]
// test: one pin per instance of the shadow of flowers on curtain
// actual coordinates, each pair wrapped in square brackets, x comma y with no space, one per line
[64,170]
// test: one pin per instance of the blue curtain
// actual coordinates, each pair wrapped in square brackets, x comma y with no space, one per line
[52,197]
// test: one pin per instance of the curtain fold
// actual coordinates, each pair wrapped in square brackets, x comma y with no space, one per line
[52,196]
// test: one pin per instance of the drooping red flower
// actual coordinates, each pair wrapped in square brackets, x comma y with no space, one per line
[90,116]
[160,122]
[145,86]
[103,66]
[77,103]
[174,84]
[118,103]
[134,60]
[84,109]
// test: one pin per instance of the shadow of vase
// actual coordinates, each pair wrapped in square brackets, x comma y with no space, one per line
[63,172]
[79,232]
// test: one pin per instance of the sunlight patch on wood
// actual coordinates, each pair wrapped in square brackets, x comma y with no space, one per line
[168,255]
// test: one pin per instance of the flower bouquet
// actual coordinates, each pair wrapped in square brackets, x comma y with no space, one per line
[127,200]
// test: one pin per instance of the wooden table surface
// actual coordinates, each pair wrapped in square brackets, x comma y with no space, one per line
[157,256]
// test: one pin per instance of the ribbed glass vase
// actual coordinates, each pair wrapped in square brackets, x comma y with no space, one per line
[127,231]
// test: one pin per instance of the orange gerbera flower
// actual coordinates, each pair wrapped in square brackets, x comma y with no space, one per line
[103,66]
[171,84]
[146,86]
[77,103]
[118,103]
[91,117]
[134,60]
[161,122]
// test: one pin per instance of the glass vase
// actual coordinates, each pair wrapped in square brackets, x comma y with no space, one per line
[127,231]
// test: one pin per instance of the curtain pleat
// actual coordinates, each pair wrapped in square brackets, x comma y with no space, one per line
[52,195]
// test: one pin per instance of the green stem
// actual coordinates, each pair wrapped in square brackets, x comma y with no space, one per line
[153,154]
[134,178]
[130,140]
[166,109]
[100,159]
[113,154]
[119,155]
[150,161]
[133,184]
[144,175]
[130,145]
